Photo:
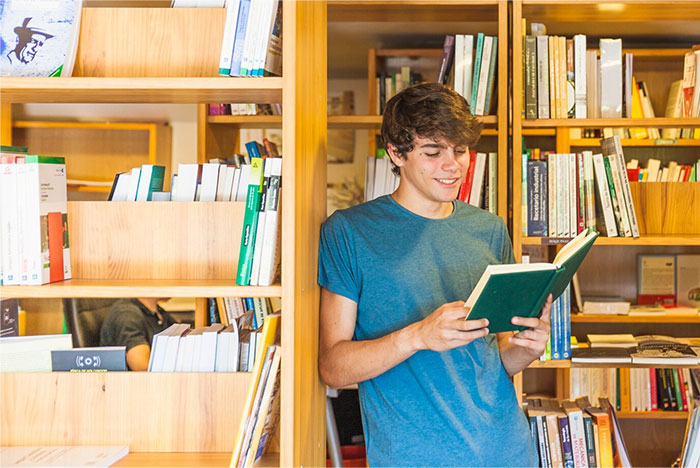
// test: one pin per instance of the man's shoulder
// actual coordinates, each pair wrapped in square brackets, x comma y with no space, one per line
[477,215]
[357,215]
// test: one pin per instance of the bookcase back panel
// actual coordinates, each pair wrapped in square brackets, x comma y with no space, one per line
[162,42]
[667,207]
[155,240]
[150,412]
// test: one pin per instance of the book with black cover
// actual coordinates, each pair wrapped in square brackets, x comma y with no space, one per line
[520,290]
[107,358]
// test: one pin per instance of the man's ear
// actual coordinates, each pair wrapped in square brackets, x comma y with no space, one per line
[393,153]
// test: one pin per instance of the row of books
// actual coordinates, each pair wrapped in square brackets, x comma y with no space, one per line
[480,186]
[389,84]
[34,243]
[252,311]
[644,349]
[143,183]
[259,254]
[214,348]
[653,389]
[576,434]
[474,69]
[656,172]
[261,410]
[245,109]
[559,198]
[252,40]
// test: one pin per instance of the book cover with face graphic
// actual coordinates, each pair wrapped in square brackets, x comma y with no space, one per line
[38,37]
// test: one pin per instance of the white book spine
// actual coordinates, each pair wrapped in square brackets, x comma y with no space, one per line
[229,37]
[552,194]
[578,439]
[459,64]
[262,36]
[542,77]
[573,189]
[269,257]
[478,180]
[563,193]
[32,250]
[619,193]
[251,34]
[145,175]
[611,76]
[626,189]
[22,207]
[580,76]
[483,76]
[468,67]
[604,194]
[493,182]
[210,176]
[592,83]
[10,224]
[229,174]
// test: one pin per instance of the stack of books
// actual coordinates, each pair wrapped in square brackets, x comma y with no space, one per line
[575,433]
[34,245]
[252,41]
[559,198]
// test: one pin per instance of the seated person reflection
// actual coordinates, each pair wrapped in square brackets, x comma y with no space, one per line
[133,323]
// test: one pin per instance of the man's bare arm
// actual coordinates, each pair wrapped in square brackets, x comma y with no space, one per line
[343,361]
[137,357]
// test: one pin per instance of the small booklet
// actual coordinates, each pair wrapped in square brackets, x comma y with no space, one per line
[521,290]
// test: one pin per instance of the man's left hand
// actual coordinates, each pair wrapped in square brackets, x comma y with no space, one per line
[534,339]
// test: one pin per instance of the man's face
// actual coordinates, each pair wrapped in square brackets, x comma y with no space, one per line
[434,170]
[27,54]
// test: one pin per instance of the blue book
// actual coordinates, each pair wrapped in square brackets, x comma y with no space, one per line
[254,149]
[565,434]
[241,26]
[566,321]
[555,325]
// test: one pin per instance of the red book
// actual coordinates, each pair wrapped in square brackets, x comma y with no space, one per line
[652,390]
[462,195]
[56,230]
[470,174]
[633,174]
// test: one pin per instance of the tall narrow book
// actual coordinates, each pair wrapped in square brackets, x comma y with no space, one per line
[507,291]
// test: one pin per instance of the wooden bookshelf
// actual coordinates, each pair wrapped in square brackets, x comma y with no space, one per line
[96,288]
[673,415]
[689,240]
[161,248]
[621,122]
[566,364]
[186,460]
[634,142]
[593,318]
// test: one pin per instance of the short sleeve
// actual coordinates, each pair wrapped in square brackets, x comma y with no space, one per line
[124,327]
[337,262]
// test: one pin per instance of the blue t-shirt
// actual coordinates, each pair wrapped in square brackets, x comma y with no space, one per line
[451,408]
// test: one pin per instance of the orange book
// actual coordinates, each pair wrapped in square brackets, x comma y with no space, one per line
[602,420]
[56,229]
[625,402]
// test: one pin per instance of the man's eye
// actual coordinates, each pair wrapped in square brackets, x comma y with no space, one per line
[433,155]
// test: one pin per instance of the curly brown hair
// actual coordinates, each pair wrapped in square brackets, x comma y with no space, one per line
[429,110]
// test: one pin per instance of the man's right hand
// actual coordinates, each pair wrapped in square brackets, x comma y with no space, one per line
[445,328]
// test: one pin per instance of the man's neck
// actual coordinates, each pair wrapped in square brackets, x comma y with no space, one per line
[417,204]
[151,303]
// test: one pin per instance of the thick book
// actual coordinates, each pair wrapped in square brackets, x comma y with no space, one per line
[507,291]
[106,358]
[250,223]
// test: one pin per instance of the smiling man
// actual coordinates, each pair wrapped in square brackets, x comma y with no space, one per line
[434,388]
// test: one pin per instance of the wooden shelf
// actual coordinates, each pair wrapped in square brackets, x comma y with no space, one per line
[247,121]
[682,415]
[140,288]
[355,121]
[590,318]
[189,459]
[411,11]
[141,90]
[643,240]
[566,364]
[634,142]
[594,123]
[623,11]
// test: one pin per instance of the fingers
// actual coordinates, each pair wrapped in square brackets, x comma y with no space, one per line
[535,323]
[460,338]
[467,325]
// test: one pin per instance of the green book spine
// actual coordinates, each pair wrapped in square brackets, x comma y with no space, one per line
[250,222]
[677,387]
[617,388]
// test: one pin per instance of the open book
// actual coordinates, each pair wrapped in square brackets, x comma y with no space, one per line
[507,291]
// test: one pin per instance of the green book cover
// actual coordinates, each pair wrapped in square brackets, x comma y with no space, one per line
[250,222]
[507,291]
[677,389]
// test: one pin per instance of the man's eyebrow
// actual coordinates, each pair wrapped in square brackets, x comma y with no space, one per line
[433,145]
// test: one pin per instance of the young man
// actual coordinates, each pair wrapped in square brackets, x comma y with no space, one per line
[434,388]
[132,323]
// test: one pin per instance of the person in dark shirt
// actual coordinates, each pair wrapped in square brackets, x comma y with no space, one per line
[132,323]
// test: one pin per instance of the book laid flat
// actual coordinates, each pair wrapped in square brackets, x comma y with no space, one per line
[521,290]
[606,355]
[663,350]
[93,455]
[106,358]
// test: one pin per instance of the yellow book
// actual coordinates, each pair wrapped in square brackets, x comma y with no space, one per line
[268,336]
[625,402]
[638,133]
